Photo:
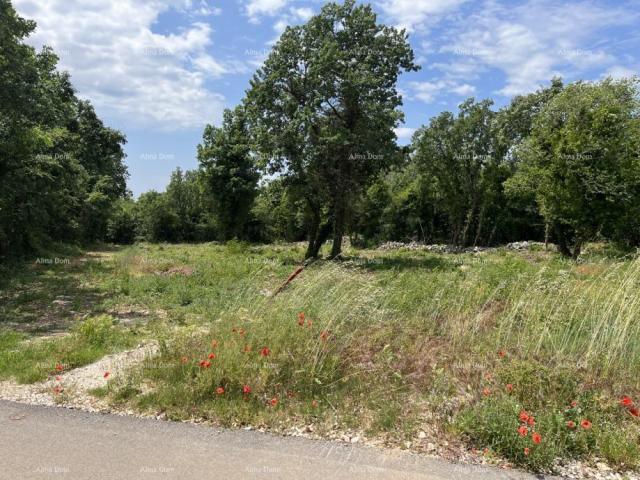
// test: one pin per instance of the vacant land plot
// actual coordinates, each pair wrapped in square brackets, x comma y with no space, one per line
[521,356]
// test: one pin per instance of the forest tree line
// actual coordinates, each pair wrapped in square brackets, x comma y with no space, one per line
[310,155]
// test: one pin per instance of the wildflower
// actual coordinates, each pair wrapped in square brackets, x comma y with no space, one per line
[205,364]
[536,438]
[571,424]
[59,367]
[106,374]
[586,424]
[524,416]
[246,389]
[273,402]
[265,352]
[184,359]
[501,354]
[626,401]
[526,450]
[220,391]
[634,411]
[57,390]
[486,391]
[301,319]
[574,404]
[523,431]
[531,421]
[211,356]
[58,377]
[509,387]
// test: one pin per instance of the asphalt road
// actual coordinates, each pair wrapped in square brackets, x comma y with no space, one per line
[46,442]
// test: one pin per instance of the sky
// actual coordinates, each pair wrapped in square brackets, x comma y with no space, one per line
[160,70]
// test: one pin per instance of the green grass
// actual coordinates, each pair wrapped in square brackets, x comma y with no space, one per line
[31,360]
[392,343]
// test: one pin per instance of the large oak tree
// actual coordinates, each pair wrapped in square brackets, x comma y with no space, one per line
[323,110]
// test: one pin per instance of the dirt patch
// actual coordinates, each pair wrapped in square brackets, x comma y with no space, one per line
[181,271]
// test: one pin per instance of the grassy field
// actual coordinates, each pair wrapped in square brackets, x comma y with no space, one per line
[523,354]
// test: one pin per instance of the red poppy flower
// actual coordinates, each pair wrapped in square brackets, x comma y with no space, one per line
[526,450]
[205,364]
[571,424]
[531,421]
[486,391]
[501,353]
[106,374]
[626,401]
[246,389]
[211,356]
[536,437]
[59,367]
[523,431]
[265,352]
[574,404]
[273,402]
[184,359]
[524,416]
[509,387]
[586,424]
[634,411]
[301,319]
[220,391]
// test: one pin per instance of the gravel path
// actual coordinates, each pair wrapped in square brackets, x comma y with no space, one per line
[71,389]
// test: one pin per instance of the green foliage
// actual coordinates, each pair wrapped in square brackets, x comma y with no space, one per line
[61,169]
[229,173]
[581,163]
[323,108]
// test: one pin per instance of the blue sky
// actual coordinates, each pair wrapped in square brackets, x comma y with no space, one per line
[159,70]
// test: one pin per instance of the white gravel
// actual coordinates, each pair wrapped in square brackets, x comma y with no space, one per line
[71,388]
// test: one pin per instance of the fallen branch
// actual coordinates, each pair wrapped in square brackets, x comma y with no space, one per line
[297,272]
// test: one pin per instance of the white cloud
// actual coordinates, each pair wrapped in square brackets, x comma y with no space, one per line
[404,133]
[620,71]
[416,14]
[257,8]
[428,91]
[532,42]
[125,69]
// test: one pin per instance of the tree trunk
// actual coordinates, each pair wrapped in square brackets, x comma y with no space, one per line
[338,228]
[314,227]
[321,237]
[563,244]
